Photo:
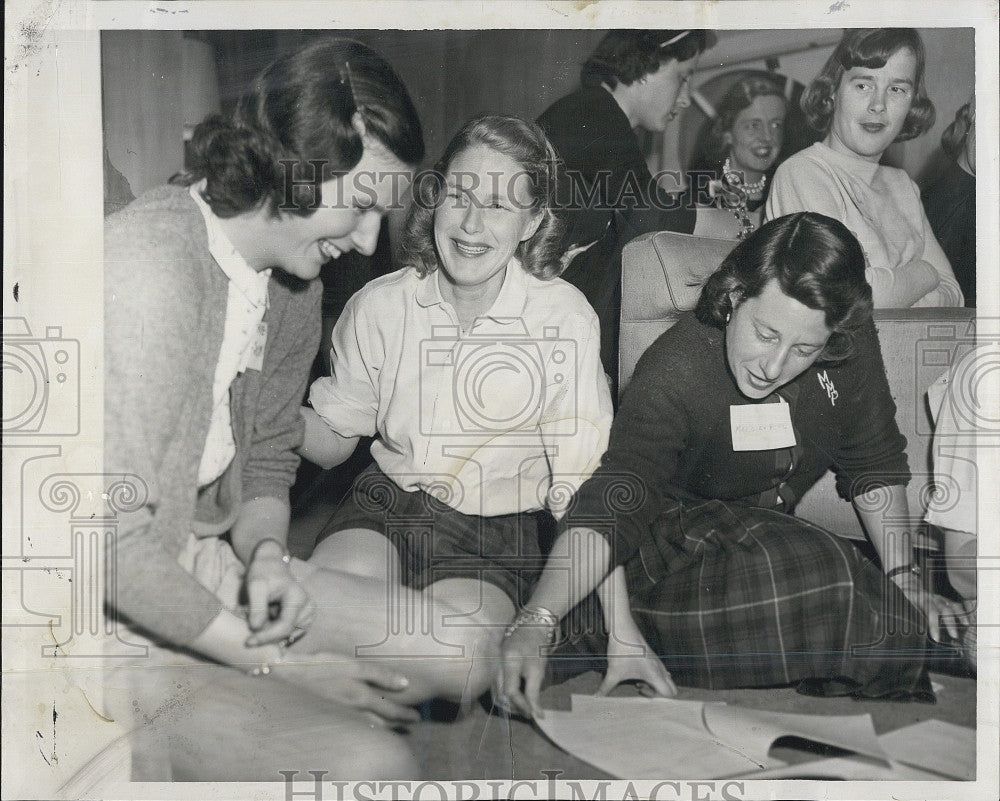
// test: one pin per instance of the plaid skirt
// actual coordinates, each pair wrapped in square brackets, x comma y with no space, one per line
[731,595]
[435,542]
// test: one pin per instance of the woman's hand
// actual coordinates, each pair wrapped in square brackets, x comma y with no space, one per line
[936,608]
[631,659]
[270,584]
[523,656]
[358,684]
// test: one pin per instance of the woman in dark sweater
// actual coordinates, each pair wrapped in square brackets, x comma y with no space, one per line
[634,79]
[950,202]
[731,415]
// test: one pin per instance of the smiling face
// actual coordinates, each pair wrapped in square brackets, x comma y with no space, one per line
[771,339]
[871,104]
[659,96]
[484,215]
[756,136]
[349,218]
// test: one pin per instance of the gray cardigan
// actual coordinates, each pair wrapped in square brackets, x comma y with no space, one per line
[165,307]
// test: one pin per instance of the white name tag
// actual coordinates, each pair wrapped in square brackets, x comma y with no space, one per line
[761,427]
[255,360]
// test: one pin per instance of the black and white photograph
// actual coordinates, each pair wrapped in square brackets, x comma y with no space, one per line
[482,400]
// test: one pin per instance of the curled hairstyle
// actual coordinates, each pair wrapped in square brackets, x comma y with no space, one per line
[625,56]
[738,97]
[297,118]
[814,259]
[871,48]
[953,139]
[525,143]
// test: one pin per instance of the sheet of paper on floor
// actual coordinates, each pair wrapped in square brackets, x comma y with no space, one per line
[636,742]
[934,745]
[931,750]
[756,730]
[846,769]
[651,738]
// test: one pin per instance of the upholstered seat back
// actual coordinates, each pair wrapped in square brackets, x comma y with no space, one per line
[662,276]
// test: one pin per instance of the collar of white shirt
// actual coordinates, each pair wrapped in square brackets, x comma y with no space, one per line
[251,284]
[508,306]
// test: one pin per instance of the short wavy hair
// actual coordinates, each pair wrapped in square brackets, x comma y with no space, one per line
[625,56]
[871,48]
[299,115]
[954,136]
[814,259]
[526,144]
[738,97]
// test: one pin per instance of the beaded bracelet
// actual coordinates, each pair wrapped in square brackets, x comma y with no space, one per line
[535,616]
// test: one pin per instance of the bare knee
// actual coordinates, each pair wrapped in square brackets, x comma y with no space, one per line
[476,641]
[358,551]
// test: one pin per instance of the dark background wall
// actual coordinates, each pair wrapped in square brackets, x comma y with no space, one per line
[151,77]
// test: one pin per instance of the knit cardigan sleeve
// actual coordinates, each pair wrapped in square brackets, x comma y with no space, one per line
[293,319]
[157,354]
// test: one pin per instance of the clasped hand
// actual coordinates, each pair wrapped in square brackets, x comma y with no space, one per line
[280,609]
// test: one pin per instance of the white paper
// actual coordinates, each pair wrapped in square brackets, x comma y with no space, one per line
[652,740]
[756,730]
[934,745]
[761,427]
[649,738]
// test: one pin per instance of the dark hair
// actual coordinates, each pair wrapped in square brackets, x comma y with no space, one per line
[525,143]
[625,56]
[953,139]
[814,259]
[298,115]
[872,48]
[738,97]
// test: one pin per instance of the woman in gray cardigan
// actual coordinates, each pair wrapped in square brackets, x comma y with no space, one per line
[212,323]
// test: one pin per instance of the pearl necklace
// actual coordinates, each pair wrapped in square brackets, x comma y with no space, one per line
[751,189]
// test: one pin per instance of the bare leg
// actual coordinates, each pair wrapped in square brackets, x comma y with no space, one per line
[444,638]
[204,722]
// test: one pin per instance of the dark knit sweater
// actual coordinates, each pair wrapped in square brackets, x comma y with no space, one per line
[609,198]
[672,437]
[592,135]
[165,309]
[950,203]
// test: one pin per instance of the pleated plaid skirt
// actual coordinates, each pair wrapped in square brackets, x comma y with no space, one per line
[731,595]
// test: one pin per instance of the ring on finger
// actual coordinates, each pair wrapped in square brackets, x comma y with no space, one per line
[297,634]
